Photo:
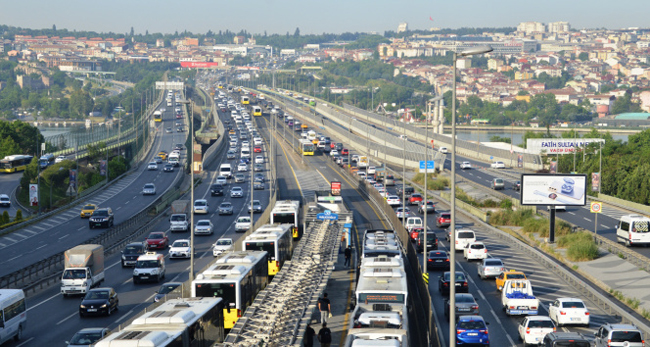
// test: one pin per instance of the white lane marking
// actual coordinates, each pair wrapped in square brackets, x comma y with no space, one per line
[64,236]
[127,281]
[604,226]
[26,342]
[571,213]
[41,246]
[42,302]
[14,258]
[10,239]
[119,207]
[587,219]
[81,228]
[66,318]
[126,202]
[119,262]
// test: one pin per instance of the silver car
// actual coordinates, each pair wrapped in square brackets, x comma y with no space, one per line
[225,208]
[203,227]
[236,192]
[240,177]
[257,207]
[490,267]
[149,189]
[465,305]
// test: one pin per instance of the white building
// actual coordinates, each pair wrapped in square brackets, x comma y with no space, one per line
[531,27]
[402,27]
[559,27]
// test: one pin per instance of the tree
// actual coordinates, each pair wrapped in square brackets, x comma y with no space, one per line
[297,32]
[584,56]
[54,27]
[132,32]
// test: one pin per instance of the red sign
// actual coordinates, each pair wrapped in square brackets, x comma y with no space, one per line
[336,188]
[199,64]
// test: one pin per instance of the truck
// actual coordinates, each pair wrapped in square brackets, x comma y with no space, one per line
[363,161]
[83,269]
[517,298]
[178,220]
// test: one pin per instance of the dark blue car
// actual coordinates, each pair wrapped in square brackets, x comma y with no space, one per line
[472,330]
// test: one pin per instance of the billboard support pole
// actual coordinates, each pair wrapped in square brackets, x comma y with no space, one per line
[551,227]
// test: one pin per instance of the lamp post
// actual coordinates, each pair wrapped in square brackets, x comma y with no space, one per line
[452,227]
[191,157]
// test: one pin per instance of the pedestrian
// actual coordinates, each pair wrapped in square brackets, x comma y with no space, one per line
[325,336]
[348,255]
[324,307]
[309,336]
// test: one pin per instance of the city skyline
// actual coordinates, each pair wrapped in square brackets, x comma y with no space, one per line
[335,17]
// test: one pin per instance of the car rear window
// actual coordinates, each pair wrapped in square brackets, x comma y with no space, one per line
[540,324]
[471,325]
[572,343]
[466,235]
[626,336]
[477,246]
[573,304]
[493,263]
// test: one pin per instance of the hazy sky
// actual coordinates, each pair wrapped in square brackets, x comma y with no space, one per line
[332,16]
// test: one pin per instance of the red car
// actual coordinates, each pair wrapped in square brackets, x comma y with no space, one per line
[345,151]
[257,149]
[414,233]
[415,199]
[179,116]
[332,145]
[444,220]
[157,240]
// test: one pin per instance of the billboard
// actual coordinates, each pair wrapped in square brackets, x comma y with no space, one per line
[336,188]
[595,181]
[558,146]
[33,195]
[546,189]
[199,64]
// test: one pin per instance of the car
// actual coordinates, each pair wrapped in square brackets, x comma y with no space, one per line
[508,275]
[344,151]
[149,267]
[389,180]
[157,240]
[236,192]
[443,220]
[201,206]
[258,167]
[216,189]
[490,267]
[59,159]
[445,279]
[165,289]
[203,227]
[162,155]
[231,154]
[475,251]
[180,129]
[259,177]
[415,199]
[569,311]
[101,217]
[99,301]
[516,186]
[180,249]
[393,200]
[223,180]
[403,212]
[222,245]
[616,335]
[242,167]
[465,304]
[258,185]
[438,260]
[178,147]
[405,191]
[225,208]
[149,189]
[498,165]
[256,207]
[87,337]
[168,168]
[259,159]
[131,253]
[472,330]
[86,211]
[158,159]
[240,177]
[432,241]
[498,183]
[152,166]
[465,165]
[443,150]
[243,223]
[334,153]
[575,339]
[430,207]
[168,130]
[5,201]
[532,329]
[257,149]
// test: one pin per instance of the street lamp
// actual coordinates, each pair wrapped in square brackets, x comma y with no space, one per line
[452,227]
[191,157]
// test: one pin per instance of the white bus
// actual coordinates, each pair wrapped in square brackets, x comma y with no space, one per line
[287,212]
[185,322]
[236,277]
[13,315]
[274,239]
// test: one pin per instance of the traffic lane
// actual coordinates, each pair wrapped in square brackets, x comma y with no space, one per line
[8,184]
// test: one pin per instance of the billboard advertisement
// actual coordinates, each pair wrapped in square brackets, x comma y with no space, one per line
[199,64]
[546,189]
[33,195]
[102,167]
[558,146]
[336,188]
[595,181]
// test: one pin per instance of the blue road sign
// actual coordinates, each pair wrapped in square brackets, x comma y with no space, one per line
[327,215]
[430,165]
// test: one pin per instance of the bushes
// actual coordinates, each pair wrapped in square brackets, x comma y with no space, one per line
[433,181]
[580,246]
[510,217]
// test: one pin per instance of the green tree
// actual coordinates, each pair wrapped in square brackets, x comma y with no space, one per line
[297,32]
[81,103]
[584,56]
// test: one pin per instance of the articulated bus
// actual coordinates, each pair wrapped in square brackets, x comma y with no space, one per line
[307,147]
[157,116]
[236,277]
[245,100]
[46,160]
[288,212]
[257,111]
[274,239]
[13,314]
[185,322]
[14,163]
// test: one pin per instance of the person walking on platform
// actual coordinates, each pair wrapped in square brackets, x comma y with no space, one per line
[309,336]
[325,336]
[348,255]
[324,307]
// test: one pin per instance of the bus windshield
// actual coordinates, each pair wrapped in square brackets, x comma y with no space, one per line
[226,291]
[284,218]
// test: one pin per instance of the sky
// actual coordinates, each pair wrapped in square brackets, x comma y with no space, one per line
[315,17]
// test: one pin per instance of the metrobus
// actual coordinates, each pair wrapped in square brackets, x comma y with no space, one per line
[307,147]
[257,111]
[236,277]
[13,314]
[245,100]
[180,322]
[276,240]
[287,212]
[13,163]
[46,160]
[157,116]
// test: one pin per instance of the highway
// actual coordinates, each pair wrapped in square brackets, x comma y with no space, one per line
[53,319]
[9,183]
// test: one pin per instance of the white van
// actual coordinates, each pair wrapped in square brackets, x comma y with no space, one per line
[463,238]
[14,314]
[633,229]
[225,170]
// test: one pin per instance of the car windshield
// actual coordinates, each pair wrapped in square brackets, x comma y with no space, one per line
[256,203]
[541,324]
[85,338]
[87,207]
[166,288]
[178,218]
[100,213]
[133,249]
[93,295]
[74,274]
[459,277]
[465,235]
[181,244]
[203,223]
[224,242]
[148,186]
[516,277]
[146,264]
[225,205]
[471,325]
[155,236]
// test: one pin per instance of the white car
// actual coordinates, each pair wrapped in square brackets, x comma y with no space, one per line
[257,141]
[5,201]
[243,223]
[149,189]
[334,152]
[59,159]
[259,159]
[245,144]
[152,166]
[564,311]
[532,329]
[221,180]
[498,165]
[444,150]
[203,227]
[201,206]
[393,200]
[465,165]
[403,212]
[180,249]
[475,251]
[242,167]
